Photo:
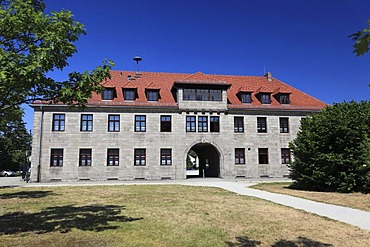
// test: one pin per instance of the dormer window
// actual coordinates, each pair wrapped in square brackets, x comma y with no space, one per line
[129,94]
[152,95]
[246,97]
[265,98]
[109,94]
[284,98]
[200,94]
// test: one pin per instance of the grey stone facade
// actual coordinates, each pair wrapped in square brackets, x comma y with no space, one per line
[71,140]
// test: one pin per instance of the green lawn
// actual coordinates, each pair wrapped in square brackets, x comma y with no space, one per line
[160,215]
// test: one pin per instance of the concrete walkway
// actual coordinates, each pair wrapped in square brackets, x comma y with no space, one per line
[351,216]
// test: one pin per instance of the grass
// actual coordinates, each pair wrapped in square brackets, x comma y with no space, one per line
[160,215]
[352,200]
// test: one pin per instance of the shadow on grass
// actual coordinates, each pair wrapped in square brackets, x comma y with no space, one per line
[26,194]
[63,219]
[244,241]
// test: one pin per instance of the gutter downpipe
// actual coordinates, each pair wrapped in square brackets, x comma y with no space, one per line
[40,146]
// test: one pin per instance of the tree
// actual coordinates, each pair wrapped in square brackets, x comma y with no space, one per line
[14,139]
[332,149]
[33,43]
[362,39]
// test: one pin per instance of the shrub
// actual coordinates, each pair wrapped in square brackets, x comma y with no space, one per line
[332,149]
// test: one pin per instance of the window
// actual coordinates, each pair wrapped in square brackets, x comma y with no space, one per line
[129,94]
[238,124]
[86,122]
[152,95]
[284,98]
[190,124]
[202,94]
[108,94]
[265,98]
[113,123]
[263,156]
[56,158]
[246,97]
[284,125]
[140,123]
[113,157]
[165,123]
[140,157]
[214,125]
[58,122]
[202,124]
[188,94]
[85,157]
[285,156]
[166,157]
[215,95]
[261,125]
[239,156]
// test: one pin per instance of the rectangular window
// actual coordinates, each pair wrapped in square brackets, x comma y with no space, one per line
[140,156]
[108,94]
[165,123]
[284,125]
[190,123]
[238,124]
[246,98]
[263,156]
[113,123]
[86,122]
[265,98]
[166,157]
[261,124]
[188,94]
[284,98]
[202,94]
[56,158]
[152,95]
[285,156]
[58,122]
[215,95]
[129,94]
[140,123]
[113,157]
[202,124]
[85,157]
[239,156]
[214,125]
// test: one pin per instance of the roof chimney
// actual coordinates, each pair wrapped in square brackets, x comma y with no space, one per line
[268,76]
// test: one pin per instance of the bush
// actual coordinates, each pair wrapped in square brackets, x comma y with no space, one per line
[332,149]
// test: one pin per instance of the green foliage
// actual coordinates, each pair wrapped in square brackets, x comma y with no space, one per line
[31,45]
[362,39]
[332,149]
[14,140]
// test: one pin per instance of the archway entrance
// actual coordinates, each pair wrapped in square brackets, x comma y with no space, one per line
[203,160]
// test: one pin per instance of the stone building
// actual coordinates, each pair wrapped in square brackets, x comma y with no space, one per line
[144,126]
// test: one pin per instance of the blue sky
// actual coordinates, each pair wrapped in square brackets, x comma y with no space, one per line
[303,43]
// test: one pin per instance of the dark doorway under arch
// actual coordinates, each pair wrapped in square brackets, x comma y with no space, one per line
[208,159]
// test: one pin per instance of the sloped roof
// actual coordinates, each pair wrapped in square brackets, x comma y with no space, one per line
[233,83]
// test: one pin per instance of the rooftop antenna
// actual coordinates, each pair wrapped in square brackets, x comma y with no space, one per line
[264,70]
[137,59]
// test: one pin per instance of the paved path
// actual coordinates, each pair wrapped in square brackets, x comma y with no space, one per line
[348,215]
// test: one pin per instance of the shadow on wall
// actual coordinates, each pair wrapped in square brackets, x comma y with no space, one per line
[244,241]
[63,219]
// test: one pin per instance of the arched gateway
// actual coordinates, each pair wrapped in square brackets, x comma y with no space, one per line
[203,160]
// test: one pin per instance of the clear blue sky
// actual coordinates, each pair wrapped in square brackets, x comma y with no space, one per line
[303,43]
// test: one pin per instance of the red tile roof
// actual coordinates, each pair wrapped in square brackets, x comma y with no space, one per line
[235,84]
